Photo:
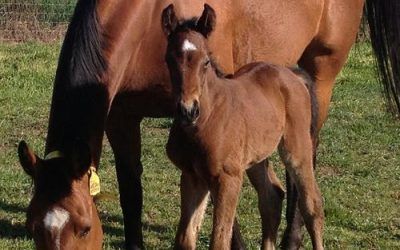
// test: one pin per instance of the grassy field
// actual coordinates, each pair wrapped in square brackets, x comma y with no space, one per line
[359,161]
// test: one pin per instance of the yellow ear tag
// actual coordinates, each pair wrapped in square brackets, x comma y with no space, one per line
[94,182]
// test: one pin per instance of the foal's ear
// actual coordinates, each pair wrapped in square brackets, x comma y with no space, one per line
[169,20]
[207,21]
[27,158]
[81,158]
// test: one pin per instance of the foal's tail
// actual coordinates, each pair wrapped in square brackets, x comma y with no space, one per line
[310,84]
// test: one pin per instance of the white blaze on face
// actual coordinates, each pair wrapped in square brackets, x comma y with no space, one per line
[188,46]
[54,222]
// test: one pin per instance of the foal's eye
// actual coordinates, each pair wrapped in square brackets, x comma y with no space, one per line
[207,63]
[83,233]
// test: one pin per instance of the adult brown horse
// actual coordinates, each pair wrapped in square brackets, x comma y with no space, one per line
[112,73]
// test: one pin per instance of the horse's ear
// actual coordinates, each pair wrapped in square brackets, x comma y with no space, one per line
[27,158]
[207,21]
[81,158]
[169,20]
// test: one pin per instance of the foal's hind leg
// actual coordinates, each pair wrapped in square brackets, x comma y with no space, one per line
[194,197]
[123,132]
[270,196]
[298,159]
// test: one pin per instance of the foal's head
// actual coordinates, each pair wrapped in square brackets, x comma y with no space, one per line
[188,59]
[61,214]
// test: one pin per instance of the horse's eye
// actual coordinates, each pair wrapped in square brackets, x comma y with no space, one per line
[83,233]
[207,63]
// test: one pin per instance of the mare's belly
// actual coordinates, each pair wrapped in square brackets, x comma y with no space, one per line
[145,103]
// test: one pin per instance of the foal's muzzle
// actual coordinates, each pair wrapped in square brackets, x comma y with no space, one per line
[188,114]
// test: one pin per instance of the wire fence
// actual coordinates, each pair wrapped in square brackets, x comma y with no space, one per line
[34,20]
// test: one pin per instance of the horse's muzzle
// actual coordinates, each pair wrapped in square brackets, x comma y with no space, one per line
[188,115]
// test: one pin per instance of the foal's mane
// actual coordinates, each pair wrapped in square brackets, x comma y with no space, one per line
[190,25]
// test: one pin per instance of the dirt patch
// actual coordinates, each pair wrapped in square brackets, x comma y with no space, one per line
[22,21]
[328,171]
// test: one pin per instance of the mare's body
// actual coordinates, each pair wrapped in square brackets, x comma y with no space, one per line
[112,73]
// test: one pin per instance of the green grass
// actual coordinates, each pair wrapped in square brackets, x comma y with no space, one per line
[359,161]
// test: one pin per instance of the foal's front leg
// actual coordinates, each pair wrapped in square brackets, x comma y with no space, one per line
[194,198]
[225,190]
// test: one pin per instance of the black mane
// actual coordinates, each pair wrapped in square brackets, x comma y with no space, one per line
[81,55]
[79,99]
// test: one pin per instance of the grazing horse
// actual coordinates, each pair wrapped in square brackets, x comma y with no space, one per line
[225,126]
[111,74]
[62,200]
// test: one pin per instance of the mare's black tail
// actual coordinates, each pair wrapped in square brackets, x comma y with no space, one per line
[384,23]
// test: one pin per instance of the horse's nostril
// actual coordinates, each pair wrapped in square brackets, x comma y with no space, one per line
[181,109]
[188,114]
[195,110]
[197,113]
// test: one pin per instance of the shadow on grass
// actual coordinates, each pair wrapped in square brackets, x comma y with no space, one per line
[10,231]
[12,208]
[7,228]
[118,231]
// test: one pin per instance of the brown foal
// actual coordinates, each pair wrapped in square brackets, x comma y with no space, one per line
[226,126]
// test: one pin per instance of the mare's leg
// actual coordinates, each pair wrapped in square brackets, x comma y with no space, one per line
[123,132]
[225,191]
[270,196]
[323,59]
[194,198]
[237,240]
[327,53]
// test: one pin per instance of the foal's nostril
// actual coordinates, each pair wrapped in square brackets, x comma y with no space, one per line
[188,114]
[195,110]
[182,111]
